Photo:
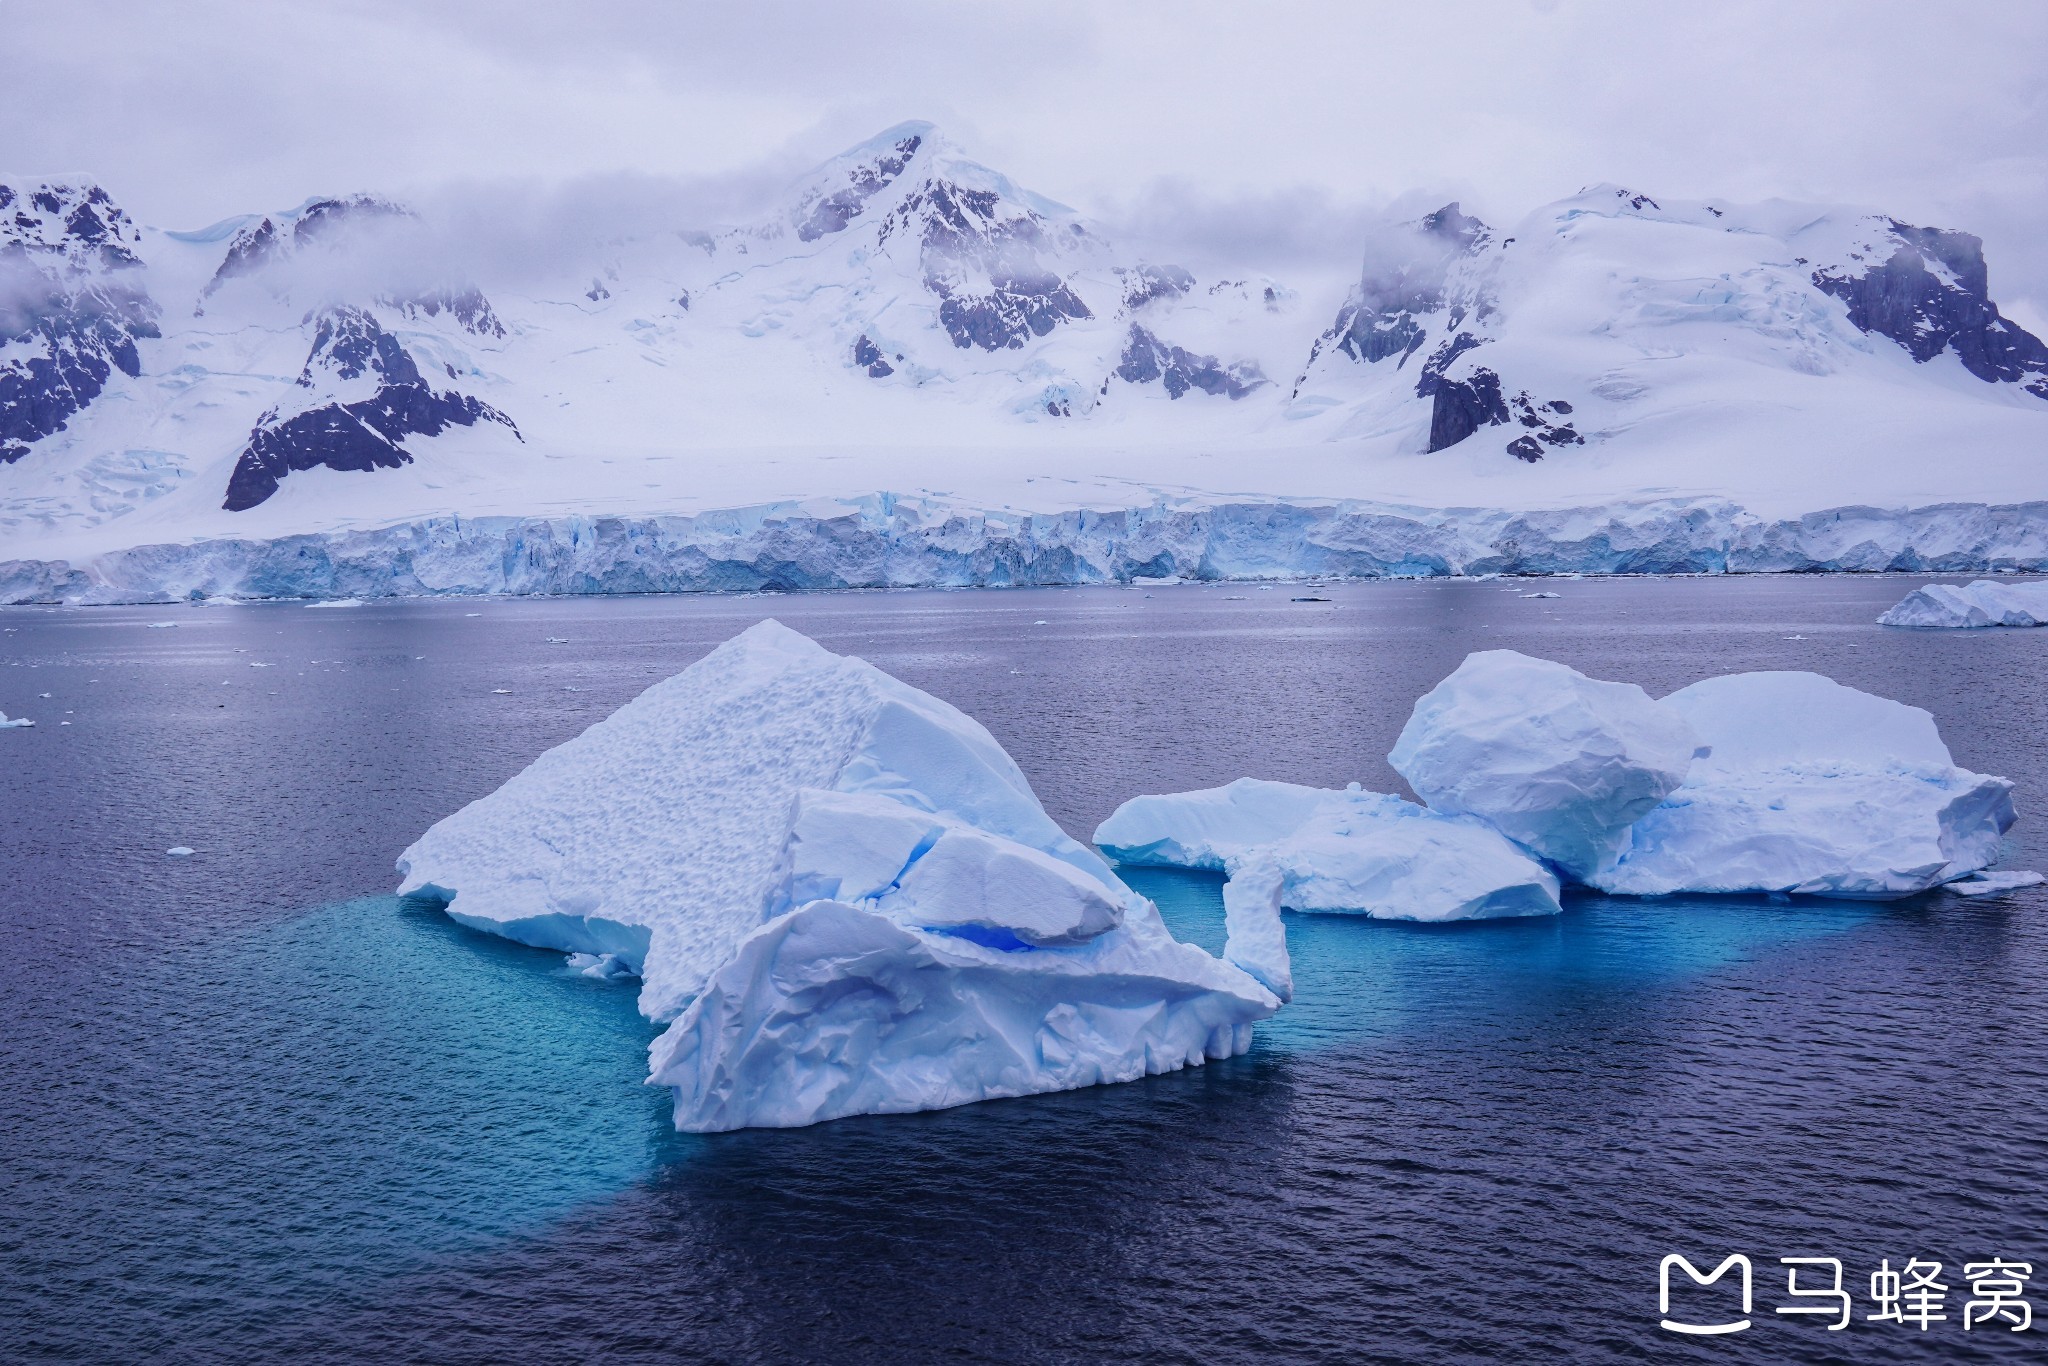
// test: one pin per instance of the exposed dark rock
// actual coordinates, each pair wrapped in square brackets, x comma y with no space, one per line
[992,265]
[683,300]
[866,353]
[1526,448]
[597,291]
[822,212]
[1143,284]
[256,248]
[1530,413]
[1930,295]
[1404,280]
[467,306]
[1462,407]
[369,433]
[71,308]
[1147,360]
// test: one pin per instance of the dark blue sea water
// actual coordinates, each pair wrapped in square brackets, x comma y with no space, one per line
[254,1108]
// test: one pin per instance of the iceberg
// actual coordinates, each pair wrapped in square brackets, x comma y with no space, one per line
[1313,849]
[18,723]
[839,893]
[1807,786]
[1983,603]
[1558,762]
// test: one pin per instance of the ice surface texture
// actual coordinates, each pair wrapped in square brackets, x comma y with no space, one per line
[1811,787]
[1983,603]
[840,891]
[1559,762]
[1361,852]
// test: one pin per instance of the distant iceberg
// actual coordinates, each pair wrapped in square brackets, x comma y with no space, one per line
[839,892]
[1983,603]
[1310,849]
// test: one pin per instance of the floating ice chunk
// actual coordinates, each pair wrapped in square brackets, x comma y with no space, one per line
[180,852]
[163,626]
[603,966]
[337,602]
[1812,787]
[19,722]
[1541,595]
[1990,884]
[831,1010]
[841,891]
[1557,761]
[1983,603]
[1362,853]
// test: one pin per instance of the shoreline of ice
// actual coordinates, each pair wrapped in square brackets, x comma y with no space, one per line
[887,541]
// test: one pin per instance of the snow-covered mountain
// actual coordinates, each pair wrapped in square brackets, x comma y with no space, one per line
[908,320]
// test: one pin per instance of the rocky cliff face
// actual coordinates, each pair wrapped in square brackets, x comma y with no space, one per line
[1928,289]
[362,395]
[72,305]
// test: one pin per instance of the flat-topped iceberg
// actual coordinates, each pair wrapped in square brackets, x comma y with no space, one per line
[1811,787]
[1558,762]
[1312,849]
[840,892]
[1983,603]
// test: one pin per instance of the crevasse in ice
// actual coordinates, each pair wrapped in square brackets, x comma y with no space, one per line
[840,894]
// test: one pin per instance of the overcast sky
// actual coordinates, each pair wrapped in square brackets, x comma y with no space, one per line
[1271,122]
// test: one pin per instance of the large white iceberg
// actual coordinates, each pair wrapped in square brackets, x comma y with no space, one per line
[1811,787]
[1561,763]
[1983,603]
[840,891]
[1312,849]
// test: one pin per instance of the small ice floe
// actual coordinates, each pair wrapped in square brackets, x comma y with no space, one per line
[42,694]
[1308,599]
[1235,597]
[570,687]
[1039,622]
[1795,637]
[1540,595]
[500,691]
[163,626]
[603,966]
[16,723]
[338,602]
[472,614]
[180,851]
[1990,884]
[558,640]
[254,665]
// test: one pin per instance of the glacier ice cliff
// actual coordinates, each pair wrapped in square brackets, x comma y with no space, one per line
[839,893]
[889,541]
[1983,603]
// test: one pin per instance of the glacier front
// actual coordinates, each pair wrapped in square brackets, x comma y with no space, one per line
[1983,603]
[839,892]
